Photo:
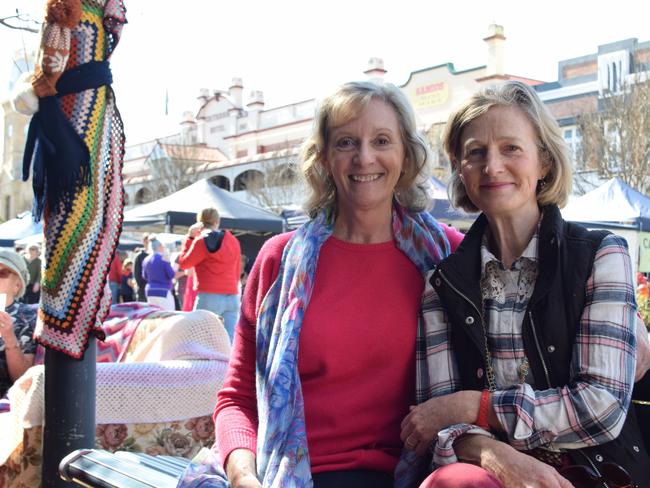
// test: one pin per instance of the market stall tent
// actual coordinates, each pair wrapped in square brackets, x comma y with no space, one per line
[18,228]
[613,202]
[617,207]
[181,207]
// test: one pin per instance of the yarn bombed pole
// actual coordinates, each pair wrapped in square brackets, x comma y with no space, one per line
[75,146]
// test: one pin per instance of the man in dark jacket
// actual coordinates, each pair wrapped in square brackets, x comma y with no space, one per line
[137,268]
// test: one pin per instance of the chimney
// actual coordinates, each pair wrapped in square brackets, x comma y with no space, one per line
[188,128]
[495,41]
[204,95]
[375,70]
[236,90]
[255,106]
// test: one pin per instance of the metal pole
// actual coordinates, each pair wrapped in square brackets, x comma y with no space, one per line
[69,409]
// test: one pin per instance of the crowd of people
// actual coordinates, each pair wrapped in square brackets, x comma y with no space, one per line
[206,273]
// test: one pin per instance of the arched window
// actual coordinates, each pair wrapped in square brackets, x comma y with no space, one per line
[221,181]
[143,195]
[249,179]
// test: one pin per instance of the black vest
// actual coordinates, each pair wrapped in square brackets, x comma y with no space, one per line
[566,256]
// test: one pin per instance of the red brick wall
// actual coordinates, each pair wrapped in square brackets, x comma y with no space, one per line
[582,69]
[573,107]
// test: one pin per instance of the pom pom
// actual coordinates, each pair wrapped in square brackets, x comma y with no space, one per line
[23,98]
[66,13]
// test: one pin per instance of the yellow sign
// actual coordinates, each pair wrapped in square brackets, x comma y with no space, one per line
[644,252]
[430,94]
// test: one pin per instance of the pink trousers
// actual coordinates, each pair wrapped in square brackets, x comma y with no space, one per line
[460,475]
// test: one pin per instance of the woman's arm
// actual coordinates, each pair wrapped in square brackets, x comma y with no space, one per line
[236,409]
[17,361]
[440,382]
[193,251]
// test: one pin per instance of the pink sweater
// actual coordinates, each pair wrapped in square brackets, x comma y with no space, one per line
[351,424]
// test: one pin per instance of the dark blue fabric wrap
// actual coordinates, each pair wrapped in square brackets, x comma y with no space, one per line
[56,151]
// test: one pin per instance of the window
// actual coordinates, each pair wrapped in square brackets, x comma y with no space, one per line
[573,140]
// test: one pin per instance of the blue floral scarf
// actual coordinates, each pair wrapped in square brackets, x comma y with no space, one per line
[282,455]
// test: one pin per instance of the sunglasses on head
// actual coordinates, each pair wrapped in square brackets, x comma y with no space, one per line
[611,475]
[5,273]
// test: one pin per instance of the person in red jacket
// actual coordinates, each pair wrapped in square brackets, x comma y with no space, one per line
[115,278]
[215,256]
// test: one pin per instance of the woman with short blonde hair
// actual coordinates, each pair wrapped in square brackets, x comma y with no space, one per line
[531,324]
[552,148]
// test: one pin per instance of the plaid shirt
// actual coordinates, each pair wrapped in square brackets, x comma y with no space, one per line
[592,408]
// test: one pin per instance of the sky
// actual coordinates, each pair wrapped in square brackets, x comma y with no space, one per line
[296,50]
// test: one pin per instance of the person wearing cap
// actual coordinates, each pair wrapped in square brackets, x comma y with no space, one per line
[17,320]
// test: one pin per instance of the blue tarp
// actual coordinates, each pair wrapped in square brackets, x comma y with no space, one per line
[613,202]
[18,228]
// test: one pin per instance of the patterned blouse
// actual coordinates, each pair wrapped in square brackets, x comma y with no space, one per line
[506,293]
[24,317]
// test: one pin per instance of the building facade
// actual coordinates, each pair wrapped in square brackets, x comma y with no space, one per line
[240,144]
[15,195]
[581,87]
[256,140]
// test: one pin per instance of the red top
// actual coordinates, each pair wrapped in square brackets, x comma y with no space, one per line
[216,272]
[350,423]
[115,272]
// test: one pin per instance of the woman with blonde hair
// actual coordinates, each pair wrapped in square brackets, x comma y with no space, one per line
[530,324]
[345,290]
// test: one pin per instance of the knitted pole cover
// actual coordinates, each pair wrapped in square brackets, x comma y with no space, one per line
[80,240]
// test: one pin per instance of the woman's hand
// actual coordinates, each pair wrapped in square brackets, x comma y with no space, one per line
[241,469]
[519,470]
[512,468]
[421,426]
[7,330]
[245,481]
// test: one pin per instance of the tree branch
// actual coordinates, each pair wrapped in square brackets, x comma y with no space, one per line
[4,21]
